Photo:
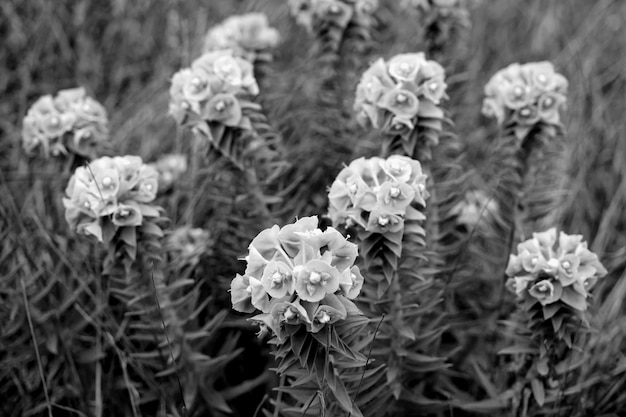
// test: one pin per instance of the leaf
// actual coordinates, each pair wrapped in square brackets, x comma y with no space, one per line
[538,391]
[542,366]
[128,235]
[550,310]
[573,299]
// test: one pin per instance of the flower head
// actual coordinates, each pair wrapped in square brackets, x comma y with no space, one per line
[69,122]
[114,190]
[376,193]
[551,270]
[320,14]
[249,36]
[400,91]
[525,94]
[292,271]
[170,168]
[212,87]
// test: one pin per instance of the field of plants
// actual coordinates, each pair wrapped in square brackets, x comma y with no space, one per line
[334,208]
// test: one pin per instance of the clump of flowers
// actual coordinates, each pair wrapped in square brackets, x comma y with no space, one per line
[436,10]
[475,210]
[187,244]
[315,15]
[547,275]
[214,89]
[526,95]
[249,36]
[109,194]
[71,122]
[170,168]
[398,96]
[298,275]
[377,194]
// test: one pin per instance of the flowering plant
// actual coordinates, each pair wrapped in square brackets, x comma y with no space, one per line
[476,210]
[525,95]
[110,194]
[298,275]
[212,88]
[565,275]
[186,245]
[249,36]
[313,14]
[376,194]
[170,168]
[69,122]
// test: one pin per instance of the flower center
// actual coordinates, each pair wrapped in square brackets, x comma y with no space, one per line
[401,98]
[534,261]
[323,318]
[277,280]
[86,107]
[405,68]
[334,9]
[433,86]
[149,187]
[548,101]
[185,105]
[197,83]
[394,192]
[87,204]
[289,314]
[123,213]
[220,106]
[397,126]
[352,188]
[107,182]
[542,78]
[525,112]
[383,221]
[543,288]
[553,263]
[54,121]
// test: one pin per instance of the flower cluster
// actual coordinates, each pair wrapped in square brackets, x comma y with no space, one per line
[70,121]
[211,89]
[312,14]
[476,209]
[455,9]
[187,245]
[298,274]
[376,193]
[249,36]
[394,94]
[549,275]
[525,94]
[170,168]
[110,190]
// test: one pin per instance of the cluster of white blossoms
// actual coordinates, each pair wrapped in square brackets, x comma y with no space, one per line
[249,36]
[549,275]
[393,94]
[376,193]
[526,94]
[312,14]
[211,89]
[170,168]
[476,210]
[70,122]
[110,191]
[187,244]
[298,275]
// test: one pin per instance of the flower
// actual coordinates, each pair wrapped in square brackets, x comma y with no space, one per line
[377,193]
[394,94]
[170,168]
[316,15]
[525,94]
[549,274]
[186,245]
[476,210]
[113,190]
[70,121]
[249,36]
[212,89]
[293,271]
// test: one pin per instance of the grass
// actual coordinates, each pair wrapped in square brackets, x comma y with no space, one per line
[125,52]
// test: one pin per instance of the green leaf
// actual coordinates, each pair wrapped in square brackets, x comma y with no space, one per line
[518,349]
[538,391]
[573,299]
